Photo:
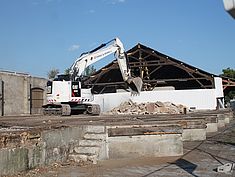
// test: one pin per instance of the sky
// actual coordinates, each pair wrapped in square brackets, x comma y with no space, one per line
[39,35]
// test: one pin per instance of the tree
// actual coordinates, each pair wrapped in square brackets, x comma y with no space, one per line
[66,71]
[52,73]
[89,70]
[230,73]
[230,96]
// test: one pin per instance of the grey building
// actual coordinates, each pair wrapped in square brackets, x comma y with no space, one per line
[21,94]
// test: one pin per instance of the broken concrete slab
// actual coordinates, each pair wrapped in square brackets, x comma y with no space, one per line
[132,108]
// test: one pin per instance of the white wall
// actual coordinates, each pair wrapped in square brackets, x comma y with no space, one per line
[219,87]
[200,98]
[197,98]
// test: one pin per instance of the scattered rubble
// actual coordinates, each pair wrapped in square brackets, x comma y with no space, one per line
[130,108]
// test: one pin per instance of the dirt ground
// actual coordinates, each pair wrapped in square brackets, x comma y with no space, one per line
[200,159]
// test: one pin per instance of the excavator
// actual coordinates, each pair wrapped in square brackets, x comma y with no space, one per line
[65,95]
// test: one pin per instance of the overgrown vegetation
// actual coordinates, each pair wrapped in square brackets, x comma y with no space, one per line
[229,73]
[89,70]
[52,73]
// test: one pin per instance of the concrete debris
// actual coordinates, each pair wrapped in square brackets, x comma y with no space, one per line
[132,108]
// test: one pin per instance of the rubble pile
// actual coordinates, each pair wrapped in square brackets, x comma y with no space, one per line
[130,108]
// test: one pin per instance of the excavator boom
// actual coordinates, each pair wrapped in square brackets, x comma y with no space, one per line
[114,46]
[66,96]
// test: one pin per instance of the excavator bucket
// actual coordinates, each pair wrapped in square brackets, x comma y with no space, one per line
[135,85]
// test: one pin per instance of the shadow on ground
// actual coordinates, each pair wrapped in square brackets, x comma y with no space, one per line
[186,166]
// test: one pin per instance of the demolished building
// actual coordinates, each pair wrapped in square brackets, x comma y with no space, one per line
[165,79]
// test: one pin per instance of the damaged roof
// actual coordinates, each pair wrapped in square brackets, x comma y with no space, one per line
[156,70]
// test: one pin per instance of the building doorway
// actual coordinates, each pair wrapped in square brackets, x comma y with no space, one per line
[36,101]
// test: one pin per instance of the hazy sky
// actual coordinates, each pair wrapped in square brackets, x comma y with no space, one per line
[38,35]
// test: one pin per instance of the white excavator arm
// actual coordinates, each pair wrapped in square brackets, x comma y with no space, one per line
[114,46]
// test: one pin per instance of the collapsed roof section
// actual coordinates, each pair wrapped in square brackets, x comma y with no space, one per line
[156,69]
[228,85]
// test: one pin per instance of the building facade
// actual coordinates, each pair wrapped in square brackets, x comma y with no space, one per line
[21,94]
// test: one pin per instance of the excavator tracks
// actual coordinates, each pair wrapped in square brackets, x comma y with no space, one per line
[73,109]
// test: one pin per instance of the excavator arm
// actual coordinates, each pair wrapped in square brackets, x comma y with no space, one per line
[114,46]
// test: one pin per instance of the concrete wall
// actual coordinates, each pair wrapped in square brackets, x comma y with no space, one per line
[13,160]
[194,134]
[51,146]
[57,145]
[195,98]
[145,145]
[17,92]
[198,99]
[58,142]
